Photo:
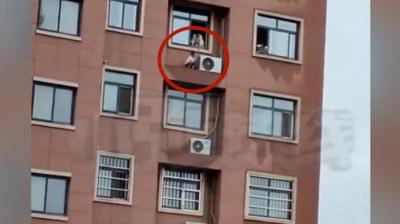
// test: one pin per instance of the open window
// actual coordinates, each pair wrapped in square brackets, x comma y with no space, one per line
[114,178]
[274,116]
[185,16]
[185,13]
[277,37]
[120,92]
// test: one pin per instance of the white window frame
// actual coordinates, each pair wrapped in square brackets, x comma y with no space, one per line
[297,118]
[61,83]
[58,34]
[200,212]
[51,173]
[270,176]
[137,73]
[131,158]
[300,37]
[204,131]
[188,48]
[134,33]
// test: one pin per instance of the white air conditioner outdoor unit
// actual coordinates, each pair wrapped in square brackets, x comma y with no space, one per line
[210,64]
[200,146]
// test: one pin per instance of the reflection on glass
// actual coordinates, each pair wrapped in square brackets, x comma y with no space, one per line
[69,17]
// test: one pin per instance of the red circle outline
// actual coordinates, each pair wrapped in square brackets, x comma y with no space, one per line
[183,89]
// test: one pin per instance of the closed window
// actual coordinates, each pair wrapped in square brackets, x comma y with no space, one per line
[185,110]
[181,190]
[277,36]
[273,116]
[53,103]
[114,177]
[183,17]
[269,197]
[61,16]
[49,194]
[124,14]
[119,92]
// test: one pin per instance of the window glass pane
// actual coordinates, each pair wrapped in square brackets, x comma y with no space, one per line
[176,109]
[193,115]
[266,21]
[38,191]
[48,18]
[175,93]
[121,78]
[125,100]
[43,102]
[115,14]
[197,97]
[63,106]
[261,121]
[69,18]
[284,104]
[278,43]
[262,101]
[130,16]
[110,98]
[181,14]
[277,124]
[292,46]
[200,17]
[258,212]
[55,199]
[182,37]
[286,25]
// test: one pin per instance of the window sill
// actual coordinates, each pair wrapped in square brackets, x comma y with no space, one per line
[133,33]
[269,220]
[112,201]
[276,139]
[52,125]
[50,217]
[126,117]
[287,60]
[187,48]
[59,35]
[187,130]
[180,212]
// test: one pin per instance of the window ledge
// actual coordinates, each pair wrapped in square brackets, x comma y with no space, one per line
[50,217]
[133,33]
[180,212]
[276,139]
[59,35]
[182,129]
[269,220]
[126,117]
[288,60]
[187,48]
[52,125]
[112,201]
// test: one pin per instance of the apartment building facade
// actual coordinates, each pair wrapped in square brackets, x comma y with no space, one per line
[113,143]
